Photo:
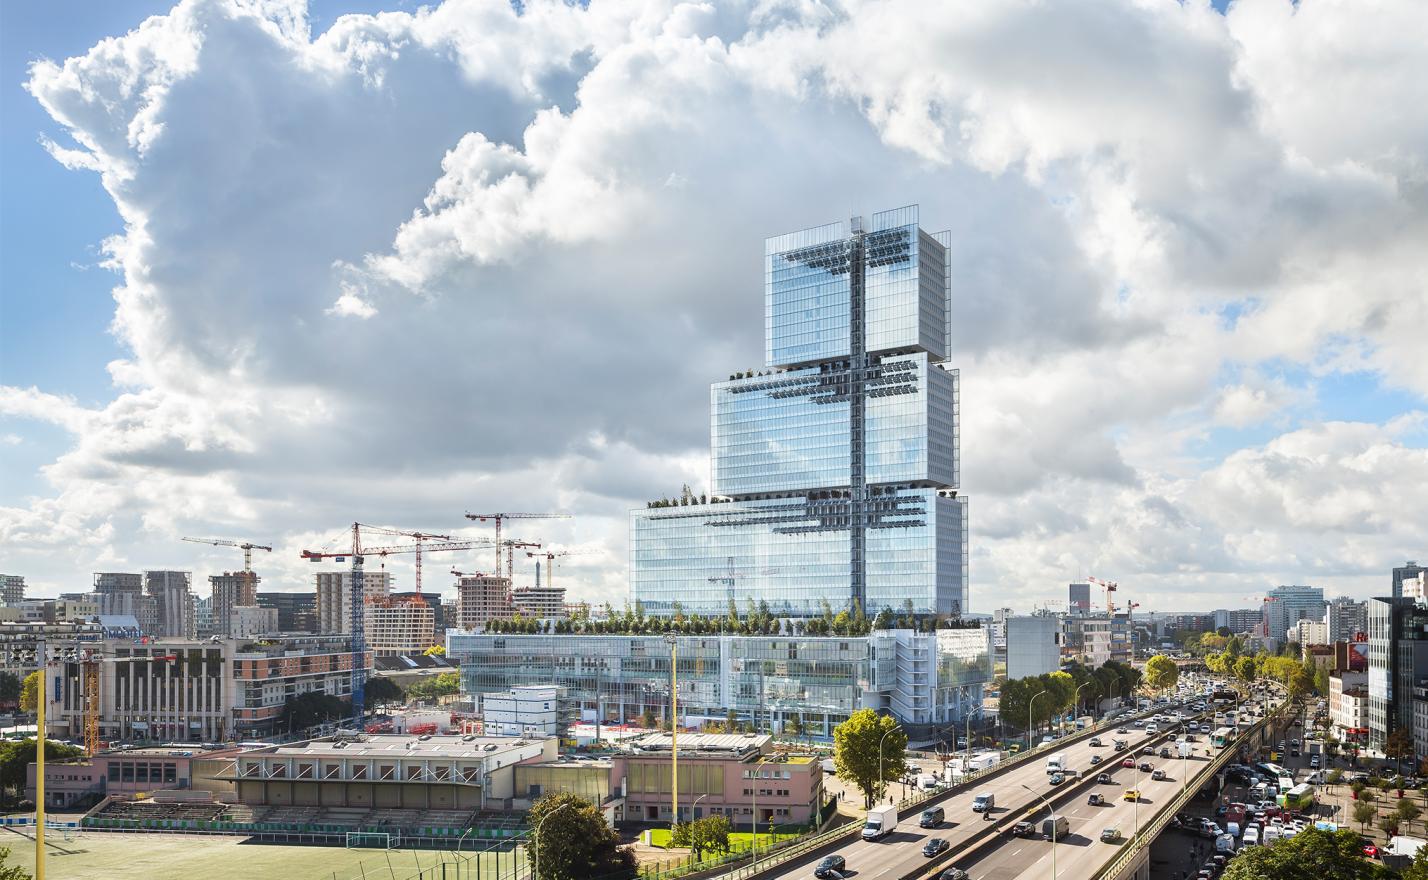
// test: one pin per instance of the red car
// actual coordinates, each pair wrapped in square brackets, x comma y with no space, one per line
[1128,762]
[1370,850]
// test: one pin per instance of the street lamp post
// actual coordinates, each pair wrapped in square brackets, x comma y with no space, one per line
[754,823]
[673,727]
[1028,717]
[1077,700]
[880,752]
[1052,815]
[535,841]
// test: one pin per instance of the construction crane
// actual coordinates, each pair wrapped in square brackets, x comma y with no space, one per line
[1110,587]
[511,545]
[498,518]
[246,546]
[550,557]
[356,605]
[89,663]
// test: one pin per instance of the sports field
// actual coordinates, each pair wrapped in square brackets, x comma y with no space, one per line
[183,857]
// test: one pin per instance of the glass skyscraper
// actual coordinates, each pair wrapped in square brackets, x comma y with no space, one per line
[834,470]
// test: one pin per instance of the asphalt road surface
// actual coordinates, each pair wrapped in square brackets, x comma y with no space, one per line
[900,852]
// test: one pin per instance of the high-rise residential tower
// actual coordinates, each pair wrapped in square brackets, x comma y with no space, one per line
[1402,572]
[835,469]
[173,603]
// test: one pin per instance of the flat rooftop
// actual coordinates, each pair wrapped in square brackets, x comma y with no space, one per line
[713,745]
[379,745]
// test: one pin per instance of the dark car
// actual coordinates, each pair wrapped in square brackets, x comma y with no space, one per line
[831,866]
[1145,767]
[1095,800]
[953,874]
[1024,829]
[934,846]
[1095,759]
[1164,752]
[1104,779]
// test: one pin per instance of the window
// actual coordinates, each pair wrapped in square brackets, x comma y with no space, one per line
[113,771]
[170,772]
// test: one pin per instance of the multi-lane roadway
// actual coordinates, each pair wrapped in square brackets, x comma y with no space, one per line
[900,853]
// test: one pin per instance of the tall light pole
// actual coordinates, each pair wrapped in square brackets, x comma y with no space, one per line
[673,726]
[1077,699]
[880,753]
[754,824]
[1052,815]
[1028,717]
[535,841]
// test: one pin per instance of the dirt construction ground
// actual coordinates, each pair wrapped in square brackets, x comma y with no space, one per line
[111,856]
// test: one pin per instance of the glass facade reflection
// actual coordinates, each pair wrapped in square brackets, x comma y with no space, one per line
[923,678]
[836,469]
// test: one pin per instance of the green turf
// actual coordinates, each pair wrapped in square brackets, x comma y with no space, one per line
[738,840]
[112,856]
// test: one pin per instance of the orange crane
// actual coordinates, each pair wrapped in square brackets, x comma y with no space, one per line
[498,518]
[357,607]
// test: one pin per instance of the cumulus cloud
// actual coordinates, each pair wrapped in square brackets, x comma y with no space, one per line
[465,257]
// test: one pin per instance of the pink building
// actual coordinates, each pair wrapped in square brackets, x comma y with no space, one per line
[729,774]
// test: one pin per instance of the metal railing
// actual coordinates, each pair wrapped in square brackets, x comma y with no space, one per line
[1132,850]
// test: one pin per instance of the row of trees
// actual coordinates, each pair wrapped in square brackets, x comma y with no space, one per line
[1299,677]
[1311,854]
[757,619]
[1021,697]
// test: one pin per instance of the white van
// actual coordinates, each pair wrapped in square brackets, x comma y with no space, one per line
[1251,837]
[984,802]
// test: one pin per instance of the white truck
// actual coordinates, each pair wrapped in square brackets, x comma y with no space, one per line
[983,760]
[1056,763]
[1185,748]
[881,821]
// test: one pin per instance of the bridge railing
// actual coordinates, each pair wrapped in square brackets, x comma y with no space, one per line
[1148,834]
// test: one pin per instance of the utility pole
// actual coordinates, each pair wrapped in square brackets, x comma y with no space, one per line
[673,725]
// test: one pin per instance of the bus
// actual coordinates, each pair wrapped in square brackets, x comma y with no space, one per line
[1299,798]
[1280,776]
[1222,737]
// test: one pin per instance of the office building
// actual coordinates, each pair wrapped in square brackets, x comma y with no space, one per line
[334,613]
[924,679]
[12,589]
[1346,618]
[1033,645]
[835,469]
[543,603]
[399,626]
[1397,662]
[482,597]
[228,591]
[1096,639]
[203,616]
[1285,606]
[173,603]
[297,612]
[1409,569]
[1238,620]
[1080,599]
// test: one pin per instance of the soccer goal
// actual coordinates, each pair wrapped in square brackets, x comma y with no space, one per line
[372,840]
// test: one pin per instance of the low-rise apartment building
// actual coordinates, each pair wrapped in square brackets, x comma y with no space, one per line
[1348,704]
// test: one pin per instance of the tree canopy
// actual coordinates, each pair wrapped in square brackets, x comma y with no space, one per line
[857,745]
[29,692]
[16,755]
[442,685]
[576,844]
[1161,673]
[313,707]
[1308,855]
